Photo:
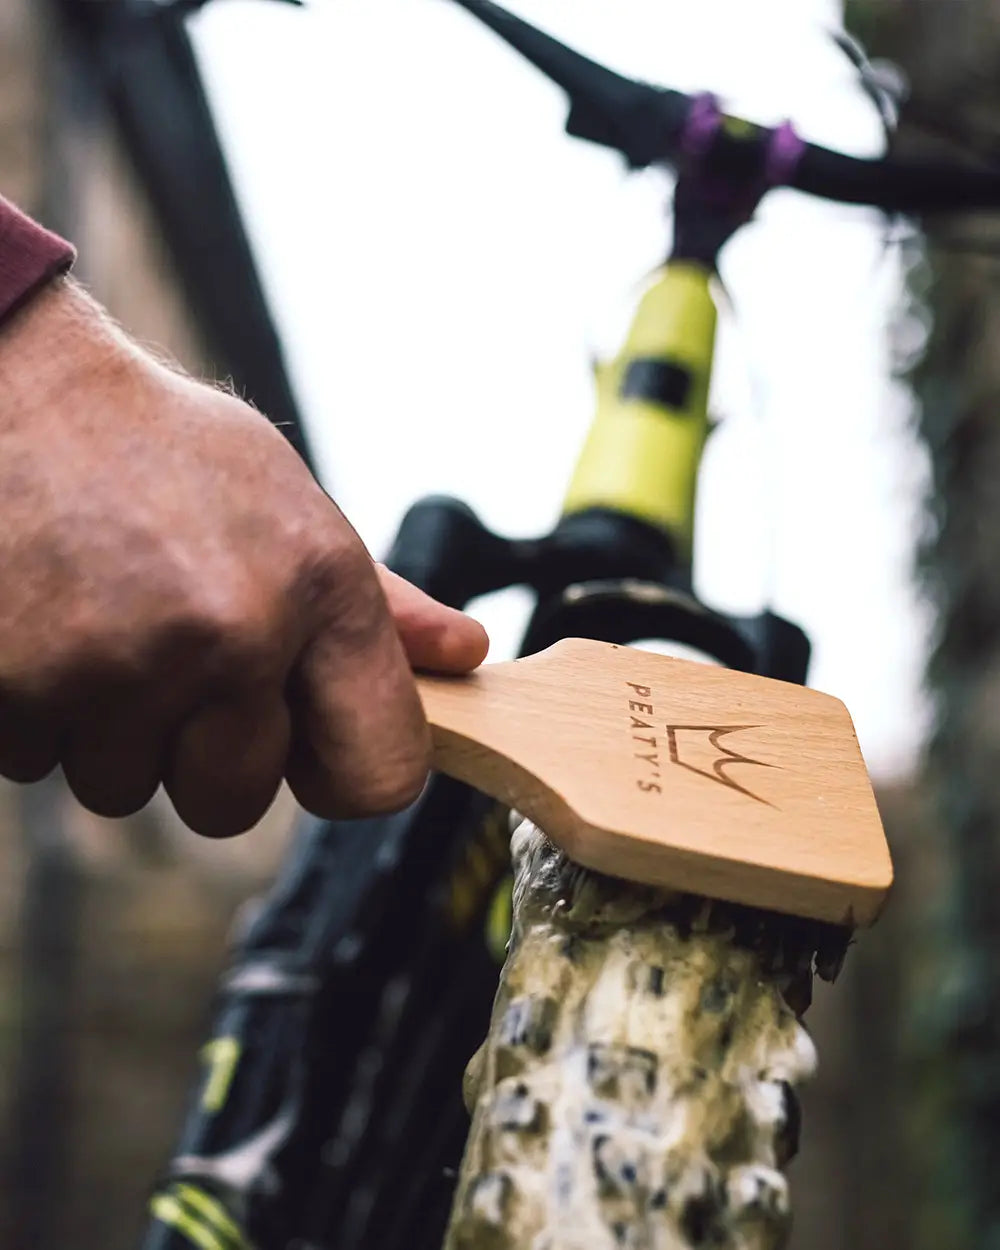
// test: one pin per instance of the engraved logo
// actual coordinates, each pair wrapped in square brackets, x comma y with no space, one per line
[698,749]
[645,747]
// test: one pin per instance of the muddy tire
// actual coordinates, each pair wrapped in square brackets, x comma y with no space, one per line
[636,1088]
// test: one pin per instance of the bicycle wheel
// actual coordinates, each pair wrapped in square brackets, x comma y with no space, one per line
[636,1087]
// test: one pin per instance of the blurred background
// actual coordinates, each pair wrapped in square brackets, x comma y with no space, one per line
[434,268]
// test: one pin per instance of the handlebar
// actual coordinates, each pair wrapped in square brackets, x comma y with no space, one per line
[895,183]
[652,125]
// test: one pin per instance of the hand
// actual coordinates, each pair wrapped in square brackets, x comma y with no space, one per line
[180,602]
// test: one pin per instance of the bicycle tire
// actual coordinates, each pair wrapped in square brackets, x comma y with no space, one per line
[637,1085]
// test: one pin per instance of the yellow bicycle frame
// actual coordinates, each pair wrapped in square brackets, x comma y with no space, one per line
[642,453]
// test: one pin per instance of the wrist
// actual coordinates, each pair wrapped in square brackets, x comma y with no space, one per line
[58,340]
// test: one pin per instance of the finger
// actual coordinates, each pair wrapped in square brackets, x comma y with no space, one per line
[28,745]
[119,714]
[361,743]
[434,636]
[113,763]
[226,763]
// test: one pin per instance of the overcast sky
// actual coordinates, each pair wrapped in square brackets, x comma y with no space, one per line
[444,262]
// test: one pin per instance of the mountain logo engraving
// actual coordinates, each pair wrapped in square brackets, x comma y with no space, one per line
[698,749]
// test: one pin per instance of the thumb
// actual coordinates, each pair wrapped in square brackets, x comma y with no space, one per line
[434,636]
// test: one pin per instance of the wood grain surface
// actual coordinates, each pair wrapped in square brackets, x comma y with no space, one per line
[674,773]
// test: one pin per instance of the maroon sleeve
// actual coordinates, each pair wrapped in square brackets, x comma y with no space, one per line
[29,256]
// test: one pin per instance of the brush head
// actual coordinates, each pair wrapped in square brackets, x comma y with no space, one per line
[675,774]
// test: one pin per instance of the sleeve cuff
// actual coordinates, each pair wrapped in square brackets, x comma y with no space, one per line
[30,256]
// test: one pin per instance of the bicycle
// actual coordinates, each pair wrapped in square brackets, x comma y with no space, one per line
[333,1052]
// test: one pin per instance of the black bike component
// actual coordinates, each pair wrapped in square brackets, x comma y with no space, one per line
[624,612]
[145,68]
[651,125]
[631,611]
[304,1005]
[782,648]
[711,205]
[897,184]
[640,121]
[599,574]
[416,1124]
[444,548]
[660,382]
[192,6]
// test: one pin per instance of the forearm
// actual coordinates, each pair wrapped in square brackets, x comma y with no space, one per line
[29,257]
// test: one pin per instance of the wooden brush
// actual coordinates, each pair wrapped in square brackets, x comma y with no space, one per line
[674,773]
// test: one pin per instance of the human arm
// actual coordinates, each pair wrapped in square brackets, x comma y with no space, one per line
[181,603]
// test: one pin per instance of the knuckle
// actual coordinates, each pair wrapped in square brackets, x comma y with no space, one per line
[83,663]
[224,631]
[103,660]
[352,600]
[393,786]
[367,788]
